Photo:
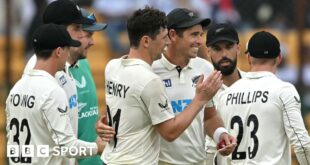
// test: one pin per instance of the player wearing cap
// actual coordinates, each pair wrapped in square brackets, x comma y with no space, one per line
[86,88]
[223,49]
[179,68]
[65,12]
[138,106]
[36,108]
[264,111]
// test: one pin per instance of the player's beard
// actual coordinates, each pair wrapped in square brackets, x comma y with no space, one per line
[81,56]
[225,70]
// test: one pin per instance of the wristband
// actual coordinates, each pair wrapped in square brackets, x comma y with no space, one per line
[218,132]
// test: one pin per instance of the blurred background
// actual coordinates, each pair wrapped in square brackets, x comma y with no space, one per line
[289,20]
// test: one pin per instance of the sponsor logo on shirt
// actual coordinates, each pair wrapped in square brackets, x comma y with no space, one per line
[167,82]
[62,80]
[82,83]
[164,106]
[179,105]
[63,110]
[92,112]
[72,101]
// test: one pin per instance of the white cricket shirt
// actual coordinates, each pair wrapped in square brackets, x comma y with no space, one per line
[136,100]
[36,114]
[180,86]
[66,81]
[263,112]
[210,143]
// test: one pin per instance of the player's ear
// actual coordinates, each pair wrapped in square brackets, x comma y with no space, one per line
[249,59]
[145,41]
[172,34]
[279,59]
[58,51]
[238,49]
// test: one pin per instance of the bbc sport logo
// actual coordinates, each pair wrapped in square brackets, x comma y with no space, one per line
[44,151]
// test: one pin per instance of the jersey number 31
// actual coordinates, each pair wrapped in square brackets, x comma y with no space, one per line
[114,122]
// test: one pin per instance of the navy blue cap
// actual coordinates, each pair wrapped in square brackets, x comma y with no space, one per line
[263,45]
[185,18]
[64,12]
[94,26]
[221,32]
[51,36]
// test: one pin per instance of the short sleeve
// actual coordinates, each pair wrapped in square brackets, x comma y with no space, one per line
[55,113]
[156,100]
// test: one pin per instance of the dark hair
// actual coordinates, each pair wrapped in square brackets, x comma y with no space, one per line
[147,21]
[179,31]
[45,53]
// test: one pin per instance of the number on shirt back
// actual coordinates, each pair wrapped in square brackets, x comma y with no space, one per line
[114,122]
[19,129]
[251,151]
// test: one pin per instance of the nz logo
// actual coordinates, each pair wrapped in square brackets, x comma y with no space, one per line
[62,110]
[164,106]
[195,80]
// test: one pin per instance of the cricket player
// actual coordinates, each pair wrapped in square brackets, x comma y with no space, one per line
[138,107]
[65,12]
[86,87]
[263,112]
[223,48]
[37,108]
[179,69]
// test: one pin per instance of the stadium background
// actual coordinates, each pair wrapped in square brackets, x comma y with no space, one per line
[289,20]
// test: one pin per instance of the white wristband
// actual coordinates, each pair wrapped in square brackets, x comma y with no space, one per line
[218,132]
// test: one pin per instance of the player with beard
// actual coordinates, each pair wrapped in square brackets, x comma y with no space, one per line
[86,87]
[223,49]
[261,104]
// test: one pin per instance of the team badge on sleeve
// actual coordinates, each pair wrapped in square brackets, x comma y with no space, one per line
[164,106]
[63,110]
[297,99]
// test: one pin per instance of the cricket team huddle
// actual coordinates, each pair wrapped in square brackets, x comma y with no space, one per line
[165,105]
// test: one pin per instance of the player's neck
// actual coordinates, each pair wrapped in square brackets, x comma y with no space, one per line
[71,60]
[137,53]
[46,65]
[259,68]
[176,58]
[228,80]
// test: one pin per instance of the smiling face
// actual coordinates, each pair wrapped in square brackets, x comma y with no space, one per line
[189,41]
[223,55]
